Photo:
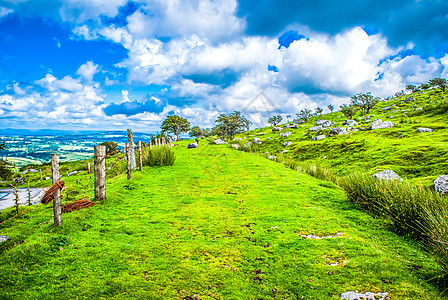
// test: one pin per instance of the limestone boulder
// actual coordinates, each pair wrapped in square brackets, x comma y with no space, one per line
[422,129]
[387,175]
[350,123]
[316,128]
[277,128]
[379,124]
[319,137]
[257,141]
[441,185]
[284,134]
[338,130]
[286,144]
[219,142]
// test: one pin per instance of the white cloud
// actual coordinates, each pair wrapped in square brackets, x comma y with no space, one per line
[5,11]
[87,70]
[78,11]
[18,90]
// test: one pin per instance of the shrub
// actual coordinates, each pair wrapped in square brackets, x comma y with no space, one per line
[158,156]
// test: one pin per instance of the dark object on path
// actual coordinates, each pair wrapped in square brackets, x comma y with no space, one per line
[77,205]
[48,197]
[193,145]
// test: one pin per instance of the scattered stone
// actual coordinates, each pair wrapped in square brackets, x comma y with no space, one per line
[269,138]
[46,178]
[349,123]
[323,123]
[284,151]
[236,146]
[3,238]
[441,185]
[387,107]
[319,137]
[277,129]
[422,129]
[297,121]
[248,144]
[272,157]
[338,130]
[316,237]
[409,99]
[316,128]
[350,295]
[284,134]
[419,108]
[286,144]
[19,180]
[257,141]
[219,142]
[293,126]
[387,175]
[304,134]
[379,124]
[261,133]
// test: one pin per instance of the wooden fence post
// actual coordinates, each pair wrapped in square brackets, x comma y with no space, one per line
[140,158]
[99,161]
[57,214]
[163,141]
[40,174]
[128,161]
[88,168]
[150,144]
[169,142]
[131,149]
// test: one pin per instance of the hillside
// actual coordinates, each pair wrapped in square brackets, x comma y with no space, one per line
[219,224]
[418,156]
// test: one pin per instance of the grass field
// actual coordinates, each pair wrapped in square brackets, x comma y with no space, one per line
[218,224]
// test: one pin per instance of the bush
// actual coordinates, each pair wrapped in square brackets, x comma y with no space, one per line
[158,156]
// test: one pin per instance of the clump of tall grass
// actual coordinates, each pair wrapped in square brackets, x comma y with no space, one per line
[316,171]
[158,156]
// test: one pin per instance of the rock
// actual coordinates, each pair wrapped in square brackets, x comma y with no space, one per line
[284,151]
[422,129]
[293,126]
[29,170]
[277,129]
[409,99]
[319,137]
[441,185]
[261,133]
[349,123]
[304,134]
[248,144]
[46,178]
[286,144]
[269,138]
[316,128]
[323,123]
[272,157]
[3,238]
[387,107]
[350,295]
[236,146]
[19,180]
[379,124]
[297,121]
[338,130]
[257,141]
[284,134]
[419,108]
[219,142]
[387,175]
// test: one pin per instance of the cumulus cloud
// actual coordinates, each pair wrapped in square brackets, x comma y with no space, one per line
[87,70]
[5,11]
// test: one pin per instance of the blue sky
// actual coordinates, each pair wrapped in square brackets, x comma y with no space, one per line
[117,64]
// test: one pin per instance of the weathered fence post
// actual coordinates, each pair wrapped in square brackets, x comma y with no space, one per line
[128,161]
[99,161]
[163,141]
[40,174]
[150,144]
[88,168]
[131,149]
[57,214]
[140,158]
[169,142]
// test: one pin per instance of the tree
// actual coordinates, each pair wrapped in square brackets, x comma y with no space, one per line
[424,86]
[231,124]
[330,107]
[411,88]
[364,102]
[111,147]
[195,132]
[319,111]
[440,82]
[274,120]
[5,166]
[304,114]
[175,125]
[348,111]
[2,146]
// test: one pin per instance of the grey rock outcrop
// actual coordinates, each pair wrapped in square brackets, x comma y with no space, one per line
[297,121]
[338,130]
[441,185]
[387,175]
[284,151]
[349,123]
[409,99]
[350,295]
[236,146]
[422,129]
[316,128]
[379,124]
[219,142]
[284,134]
[324,123]
[319,137]
[286,144]
[293,126]
[277,129]
[387,107]
[257,141]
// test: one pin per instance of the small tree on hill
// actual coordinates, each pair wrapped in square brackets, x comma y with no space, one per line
[175,125]
[424,86]
[440,82]
[364,102]
[195,132]
[111,147]
[411,88]
[274,120]
[348,111]
[319,111]
[330,107]
[231,124]
[305,114]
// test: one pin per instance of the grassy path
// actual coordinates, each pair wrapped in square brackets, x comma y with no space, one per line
[218,224]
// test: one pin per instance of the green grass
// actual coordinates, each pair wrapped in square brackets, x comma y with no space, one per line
[218,224]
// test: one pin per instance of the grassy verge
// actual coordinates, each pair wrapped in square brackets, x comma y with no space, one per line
[218,224]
